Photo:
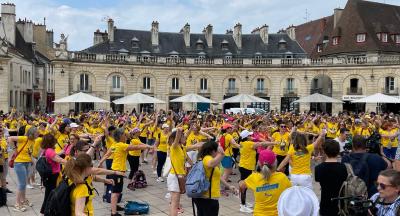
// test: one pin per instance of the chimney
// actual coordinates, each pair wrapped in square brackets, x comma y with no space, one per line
[209,35]
[99,37]
[26,30]
[50,38]
[111,30]
[154,33]
[337,13]
[186,34]
[8,22]
[237,35]
[291,31]
[263,30]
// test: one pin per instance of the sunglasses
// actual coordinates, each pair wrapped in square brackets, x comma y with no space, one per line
[383,186]
[283,126]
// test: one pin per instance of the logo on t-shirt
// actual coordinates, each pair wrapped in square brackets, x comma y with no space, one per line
[267,187]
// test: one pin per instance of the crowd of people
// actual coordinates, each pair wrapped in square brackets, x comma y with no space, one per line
[276,154]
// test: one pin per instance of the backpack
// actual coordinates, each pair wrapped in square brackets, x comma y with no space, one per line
[43,167]
[196,181]
[136,208]
[353,188]
[59,202]
[360,167]
[138,181]
[222,142]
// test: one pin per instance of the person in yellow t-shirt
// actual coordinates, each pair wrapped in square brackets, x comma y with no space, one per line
[211,155]
[266,184]
[4,158]
[281,138]
[364,130]
[81,196]
[62,136]
[21,166]
[389,139]
[133,156]
[230,142]
[299,156]
[161,147]
[247,162]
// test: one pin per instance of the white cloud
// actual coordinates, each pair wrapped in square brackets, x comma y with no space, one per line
[80,23]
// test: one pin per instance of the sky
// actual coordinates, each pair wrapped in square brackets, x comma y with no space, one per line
[80,18]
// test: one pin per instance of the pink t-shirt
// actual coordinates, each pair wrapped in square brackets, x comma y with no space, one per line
[49,154]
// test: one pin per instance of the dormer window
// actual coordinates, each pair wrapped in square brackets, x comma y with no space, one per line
[135,42]
[199,44]
[361,38]
[228,55]
[397,38]
[224,45]
[382,37]
[335,41]
[282,44]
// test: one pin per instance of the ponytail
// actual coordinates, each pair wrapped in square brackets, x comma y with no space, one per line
[76,166]
[266,170]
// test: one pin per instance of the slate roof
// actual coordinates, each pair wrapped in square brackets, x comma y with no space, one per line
[358,17]
[174,42]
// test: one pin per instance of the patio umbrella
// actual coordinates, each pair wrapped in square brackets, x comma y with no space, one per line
[245,98]
[81,97]
[377,98]
[317,98]
[192,98]
[138,98]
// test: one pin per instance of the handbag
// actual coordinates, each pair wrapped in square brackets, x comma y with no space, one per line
[43,167]
[15,155]
[166,167]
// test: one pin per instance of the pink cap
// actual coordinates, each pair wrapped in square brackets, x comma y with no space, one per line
[267,157]
[226,126]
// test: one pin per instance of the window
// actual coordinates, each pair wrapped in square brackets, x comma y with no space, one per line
[397,38]
[146,83]
[11,72]
[335,41]
[11,98]
[315,83]
[175,83]
[260,84]
[231,83]
[389,83]
[354,83]
[84,82]
[20,74]
[319,48]
[116,82]
[361,38]
[203,84]
[290,83]
[384,37]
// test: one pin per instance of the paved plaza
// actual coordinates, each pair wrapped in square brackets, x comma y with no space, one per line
[154,194]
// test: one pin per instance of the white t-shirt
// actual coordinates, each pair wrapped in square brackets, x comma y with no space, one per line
[341,144]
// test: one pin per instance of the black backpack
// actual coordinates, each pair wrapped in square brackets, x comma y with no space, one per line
[59,202]
[43,167]
[360,167]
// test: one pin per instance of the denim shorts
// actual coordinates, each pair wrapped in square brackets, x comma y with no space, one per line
[227,162]
[22,171]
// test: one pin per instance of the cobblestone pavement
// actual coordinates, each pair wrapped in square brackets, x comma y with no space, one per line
[154,194]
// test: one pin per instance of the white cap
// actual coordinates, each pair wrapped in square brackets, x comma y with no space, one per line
[73,125]
[165,126]
[298,200]
[245,134]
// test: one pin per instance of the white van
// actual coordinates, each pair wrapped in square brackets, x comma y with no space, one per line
[256,111]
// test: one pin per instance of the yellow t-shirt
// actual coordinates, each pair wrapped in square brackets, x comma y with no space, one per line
[36,147]
[120,154]
[135,141]
[386,142]
[3,144]
[228,145]
[177,155]
[365,132]
[247,155]
[215,181]
[26,152]
[150,132]
[109,142]
[193,139]
[143,130]
[283,140]
[62,139]
[80,191]
[331,130]
[300,161]
[162,139]
[267,192]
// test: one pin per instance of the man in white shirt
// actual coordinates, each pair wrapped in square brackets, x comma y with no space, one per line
[342,138]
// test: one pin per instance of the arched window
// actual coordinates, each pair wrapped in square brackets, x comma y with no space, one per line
[84,82]
[389,84]
[116,82]
[260,84]
[203,84]
[146,83]
[231,83]
[175,83]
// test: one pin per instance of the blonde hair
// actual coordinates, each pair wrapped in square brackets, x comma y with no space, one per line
[267,170]
[76,166]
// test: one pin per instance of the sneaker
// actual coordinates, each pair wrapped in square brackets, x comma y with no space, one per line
[155,172]
[145,162]
[119,208]
[37,184]
[160,179]
[18,208]
[29,186]
[8,191]
[167,195]
[27,203]
[249,205]
[245,209]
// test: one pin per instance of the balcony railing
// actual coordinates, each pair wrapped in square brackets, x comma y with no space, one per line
[354,91]
[206,91]
[388,91]
[261,91]
[175,60]
[117,90]
[316,90]
[147,59]
[291,61]
[175,91]
[147,90]
[204,61]
[232,61]
[232,91]
[80,88]
[117,58]
[290,91]
[261,61]
[84,57]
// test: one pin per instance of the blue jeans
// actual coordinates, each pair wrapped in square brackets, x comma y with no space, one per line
[22,171]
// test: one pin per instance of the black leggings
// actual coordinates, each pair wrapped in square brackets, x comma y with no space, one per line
[50,184]
[161,157]
[244,173]
[279,159]
[206,207]
[134,164]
